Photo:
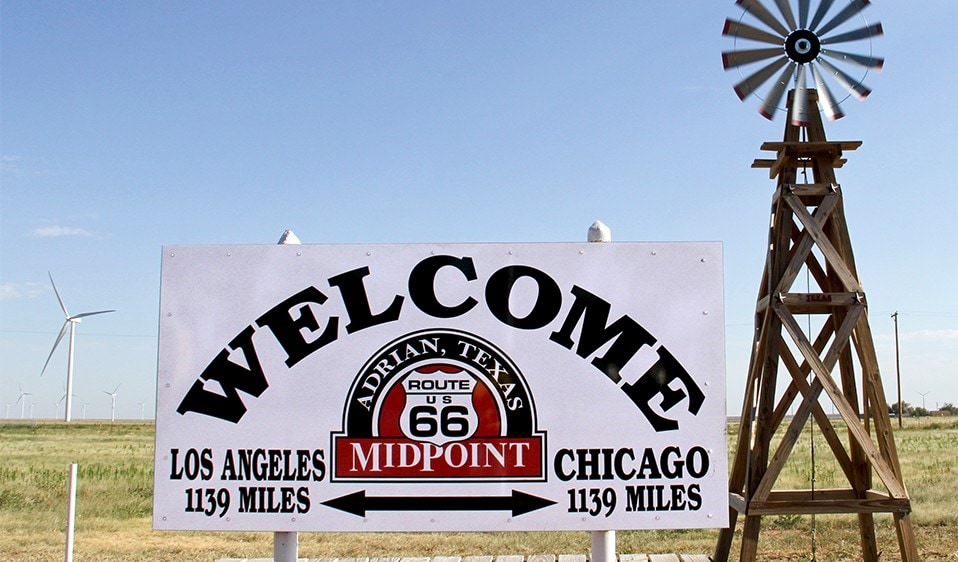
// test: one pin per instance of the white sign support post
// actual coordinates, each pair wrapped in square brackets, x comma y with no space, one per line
[286,543]
[603,542]
[285,546]
[71,512]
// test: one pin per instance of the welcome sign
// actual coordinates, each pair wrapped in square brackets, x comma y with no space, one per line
[441,388]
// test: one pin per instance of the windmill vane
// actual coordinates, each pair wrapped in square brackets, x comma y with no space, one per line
[802,55]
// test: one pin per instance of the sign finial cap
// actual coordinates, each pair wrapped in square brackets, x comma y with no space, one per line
[599,232]
[289,238]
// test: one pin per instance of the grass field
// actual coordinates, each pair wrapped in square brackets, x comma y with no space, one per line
[114,503]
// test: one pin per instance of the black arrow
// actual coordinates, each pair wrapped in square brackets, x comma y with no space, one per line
[358,504]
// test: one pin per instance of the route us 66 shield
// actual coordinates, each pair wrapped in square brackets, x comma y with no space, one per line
[439,405]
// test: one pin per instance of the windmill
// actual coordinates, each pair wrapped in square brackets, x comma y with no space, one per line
[21,401]
[69,322]
[801,47]
[112,396]
[791,364]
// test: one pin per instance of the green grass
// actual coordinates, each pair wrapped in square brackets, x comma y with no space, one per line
[114,502]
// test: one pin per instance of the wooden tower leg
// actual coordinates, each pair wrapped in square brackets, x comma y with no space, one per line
[829,365]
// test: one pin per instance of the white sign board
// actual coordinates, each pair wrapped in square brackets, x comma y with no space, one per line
[441,388]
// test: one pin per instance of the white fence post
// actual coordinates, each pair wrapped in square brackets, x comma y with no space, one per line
[71,512]
[603,542]
[286,543]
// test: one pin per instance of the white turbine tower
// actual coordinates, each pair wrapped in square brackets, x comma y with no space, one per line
[112,396]
[21,400]
[71,322]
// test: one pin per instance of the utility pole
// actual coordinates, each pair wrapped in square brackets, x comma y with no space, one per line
[897,366]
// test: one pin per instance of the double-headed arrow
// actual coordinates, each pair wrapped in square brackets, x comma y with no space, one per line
[358,503]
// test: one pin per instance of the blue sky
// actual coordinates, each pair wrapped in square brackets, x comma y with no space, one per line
[127,126]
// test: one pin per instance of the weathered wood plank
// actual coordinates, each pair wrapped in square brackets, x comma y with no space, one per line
[804,148]
[633,558]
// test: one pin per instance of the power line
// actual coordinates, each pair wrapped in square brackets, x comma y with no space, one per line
[46,333]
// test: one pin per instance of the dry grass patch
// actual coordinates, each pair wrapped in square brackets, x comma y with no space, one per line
[114,503]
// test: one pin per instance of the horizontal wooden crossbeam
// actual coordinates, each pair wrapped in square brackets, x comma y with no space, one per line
[814,303]
[820,502]
[810,148]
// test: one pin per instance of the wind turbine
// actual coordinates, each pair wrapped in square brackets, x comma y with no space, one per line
[21,400]
[71,322]
[57,405]
[112,402]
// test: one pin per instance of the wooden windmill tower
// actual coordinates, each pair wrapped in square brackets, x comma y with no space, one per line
[810,273]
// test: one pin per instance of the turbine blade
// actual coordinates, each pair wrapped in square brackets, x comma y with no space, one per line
[751,83]
[823,7]
[854,6]
[803,13]
[873,30]
[745,31]
[774,98]
[831,108]
[786,9]
[853,86]
[57,293]
[734,59]
[758,10]
[800,100]
[871,63]
[63,330]
[85,314]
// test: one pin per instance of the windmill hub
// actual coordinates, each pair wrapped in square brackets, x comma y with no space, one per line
[802,46]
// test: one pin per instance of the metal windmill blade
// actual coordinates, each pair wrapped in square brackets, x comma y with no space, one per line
[802,36]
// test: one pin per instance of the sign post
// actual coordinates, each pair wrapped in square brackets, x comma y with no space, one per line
[603,542]
[286,543]
[434,387]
